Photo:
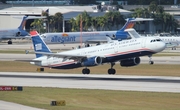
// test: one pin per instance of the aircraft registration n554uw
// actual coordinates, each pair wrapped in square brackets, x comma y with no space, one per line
[127,52]
[90,37]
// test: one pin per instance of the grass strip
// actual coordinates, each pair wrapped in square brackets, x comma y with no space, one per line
[83,99]
[141,69]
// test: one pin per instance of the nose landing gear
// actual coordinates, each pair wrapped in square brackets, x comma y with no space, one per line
[150,60]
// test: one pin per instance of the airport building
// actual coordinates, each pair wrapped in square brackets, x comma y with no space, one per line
[9,12]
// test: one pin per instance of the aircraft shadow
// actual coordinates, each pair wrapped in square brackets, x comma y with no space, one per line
[96,78]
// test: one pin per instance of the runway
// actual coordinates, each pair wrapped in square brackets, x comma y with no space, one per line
[80,81]
[144,60]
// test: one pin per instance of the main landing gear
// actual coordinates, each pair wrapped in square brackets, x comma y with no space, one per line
[9,41]
[85,71]
[150,60]
[112,70]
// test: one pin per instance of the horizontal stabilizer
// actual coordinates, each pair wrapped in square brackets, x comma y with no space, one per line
[29,60]
[141,19]
[132,33]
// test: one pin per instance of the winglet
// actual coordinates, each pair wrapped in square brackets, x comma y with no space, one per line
[23,23]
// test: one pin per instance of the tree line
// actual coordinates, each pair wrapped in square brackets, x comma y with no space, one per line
[114,19]
[130,2]
[165,20]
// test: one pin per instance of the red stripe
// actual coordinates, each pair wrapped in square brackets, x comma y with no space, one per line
[34,33]
[121,53]
[62,64]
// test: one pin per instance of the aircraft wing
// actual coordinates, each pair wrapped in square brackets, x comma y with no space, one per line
[61,55]
[66,56]
[133,34]
[172,44]
[29,60]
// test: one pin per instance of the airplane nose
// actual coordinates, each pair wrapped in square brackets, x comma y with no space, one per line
[161,46]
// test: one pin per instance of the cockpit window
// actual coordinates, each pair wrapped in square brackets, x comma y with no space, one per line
[155,40]
[43,36]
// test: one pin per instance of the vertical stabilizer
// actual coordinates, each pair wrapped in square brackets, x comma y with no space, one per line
[38,43]
[23,23]
[129,24]
[121,34]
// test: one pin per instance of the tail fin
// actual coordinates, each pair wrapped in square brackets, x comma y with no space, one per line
[129,24]
[23,23]
[122,34]
[39,44]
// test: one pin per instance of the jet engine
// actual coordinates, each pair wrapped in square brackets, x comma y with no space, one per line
[18,34]
[91,61]
[130,62]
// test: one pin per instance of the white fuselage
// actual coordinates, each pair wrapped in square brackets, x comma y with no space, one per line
[8,33]
[171,41]
[112,52]
[76,37]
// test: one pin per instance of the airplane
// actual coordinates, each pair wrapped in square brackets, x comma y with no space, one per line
[127,52]
[90,37]
[17,33]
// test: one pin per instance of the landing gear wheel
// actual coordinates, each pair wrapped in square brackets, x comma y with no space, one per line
[85,71]
[151,62]
[111,71]
[9,42]
[87,45]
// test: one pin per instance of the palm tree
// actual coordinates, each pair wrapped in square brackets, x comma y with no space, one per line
[44,13]
[58,17]
[118,19]
[153,6]
[101,21]
[38,25]
[110,16]
[159,9]
[86,18]
[138,12]
[74,26]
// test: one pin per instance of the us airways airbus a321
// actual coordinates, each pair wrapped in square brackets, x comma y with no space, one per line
[127,52]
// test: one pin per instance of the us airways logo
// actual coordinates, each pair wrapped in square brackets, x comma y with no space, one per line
[38,46]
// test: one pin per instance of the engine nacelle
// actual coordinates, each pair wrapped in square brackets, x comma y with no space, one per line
[130,62]
[91,61]
[18,34]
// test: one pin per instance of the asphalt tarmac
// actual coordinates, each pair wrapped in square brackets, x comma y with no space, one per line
[92,81]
